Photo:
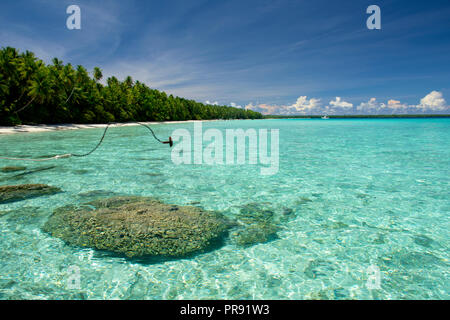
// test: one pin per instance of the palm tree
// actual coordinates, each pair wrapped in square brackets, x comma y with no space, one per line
[58,64]
[4,89]
[40,88]
[128,82]
[25,66]
[98,75]
[69,81]
[58,92]
[78,78]
[8,59]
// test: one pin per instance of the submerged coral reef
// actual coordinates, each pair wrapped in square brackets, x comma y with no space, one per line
[255,233]
[25,191]
[258,224]
[138,226]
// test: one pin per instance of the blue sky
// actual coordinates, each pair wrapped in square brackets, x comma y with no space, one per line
[285,57]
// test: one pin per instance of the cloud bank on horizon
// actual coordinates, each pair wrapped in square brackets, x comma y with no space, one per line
[432,103]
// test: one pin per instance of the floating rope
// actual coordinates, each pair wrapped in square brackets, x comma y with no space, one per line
[69,155]
[62,156]
[96,147]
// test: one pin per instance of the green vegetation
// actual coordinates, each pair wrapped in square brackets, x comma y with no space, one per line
[32,92]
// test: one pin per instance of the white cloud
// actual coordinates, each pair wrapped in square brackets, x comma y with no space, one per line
[264,108]
[303,105]
[215,103]
[234,105]
[392,107]
[433,101]
[338,102]
[370,105]
[250,106]
[397,105]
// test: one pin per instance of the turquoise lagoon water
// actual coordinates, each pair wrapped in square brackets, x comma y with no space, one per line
[362,193]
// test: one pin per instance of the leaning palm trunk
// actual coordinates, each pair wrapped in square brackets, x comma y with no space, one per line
[21,95]
[26,106]
[70,96]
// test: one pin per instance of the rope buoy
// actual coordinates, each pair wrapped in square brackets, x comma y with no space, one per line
[69,155]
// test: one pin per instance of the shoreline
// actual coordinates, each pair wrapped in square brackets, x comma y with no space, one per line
[73,126]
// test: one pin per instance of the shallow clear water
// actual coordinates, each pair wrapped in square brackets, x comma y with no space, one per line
[362,192]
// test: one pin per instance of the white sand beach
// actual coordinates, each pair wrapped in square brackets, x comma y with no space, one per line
[57,127]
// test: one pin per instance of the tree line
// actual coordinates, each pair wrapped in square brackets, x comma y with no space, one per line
[32,92]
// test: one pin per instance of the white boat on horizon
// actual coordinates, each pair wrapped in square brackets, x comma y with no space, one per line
[325,117]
